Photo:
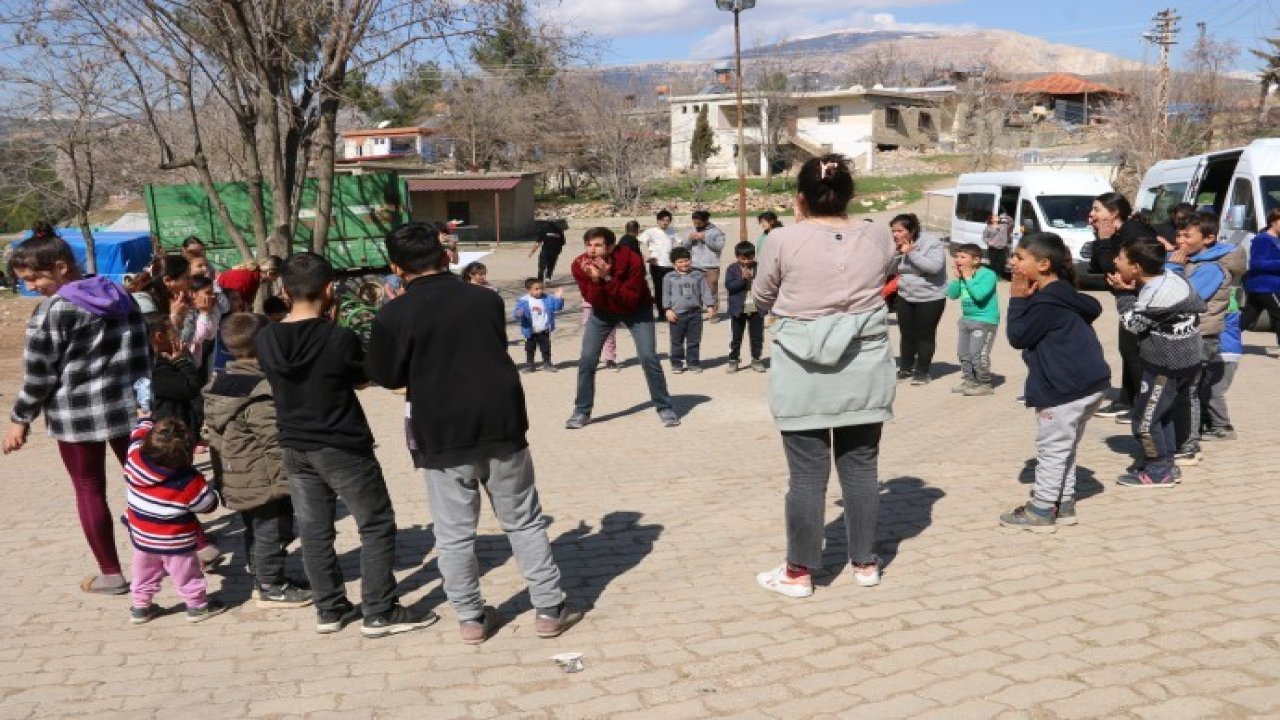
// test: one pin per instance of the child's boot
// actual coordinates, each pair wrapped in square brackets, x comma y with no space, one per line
[1029,517]
[979,389]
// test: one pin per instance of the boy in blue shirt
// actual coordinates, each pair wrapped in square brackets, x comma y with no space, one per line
[536,313]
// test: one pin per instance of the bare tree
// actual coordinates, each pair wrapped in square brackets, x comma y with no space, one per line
[619,148]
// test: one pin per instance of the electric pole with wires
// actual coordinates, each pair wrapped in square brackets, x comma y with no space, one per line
[1164,34]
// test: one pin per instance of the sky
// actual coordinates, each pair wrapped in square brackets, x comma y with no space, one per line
[645,30]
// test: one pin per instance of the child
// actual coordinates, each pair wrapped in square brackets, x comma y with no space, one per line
[1067,375]
[975,287]
[314,367]
[743,314]
[477,273]
[241,417]
[470,425]
[165,492]
[201,327]
[687,295]
[536,314]
[1214,269]
[1162,309]
[86,348]
[1217,424]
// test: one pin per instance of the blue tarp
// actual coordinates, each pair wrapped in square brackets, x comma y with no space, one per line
[118,253]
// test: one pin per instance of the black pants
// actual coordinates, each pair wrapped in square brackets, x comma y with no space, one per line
[1153,421]
[540,342]
[1130,368]
[1254,305]
[547,263]
[657,273]
[317,478]
[686,339]
[754,324]
[918,326]
[268,530]
[998,260]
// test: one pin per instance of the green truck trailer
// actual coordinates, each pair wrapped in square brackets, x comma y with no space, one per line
[365,208]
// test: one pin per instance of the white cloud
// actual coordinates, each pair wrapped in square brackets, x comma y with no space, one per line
[631,18]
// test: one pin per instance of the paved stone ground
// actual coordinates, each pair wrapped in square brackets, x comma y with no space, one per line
[1157,605]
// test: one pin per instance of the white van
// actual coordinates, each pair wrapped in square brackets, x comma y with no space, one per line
[1037,200]
[1240,186]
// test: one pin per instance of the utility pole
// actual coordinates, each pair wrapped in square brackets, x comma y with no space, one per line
[1164,34]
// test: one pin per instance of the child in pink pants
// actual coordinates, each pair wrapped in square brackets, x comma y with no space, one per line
[610,351]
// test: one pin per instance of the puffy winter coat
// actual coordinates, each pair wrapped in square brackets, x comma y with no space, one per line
[240,414]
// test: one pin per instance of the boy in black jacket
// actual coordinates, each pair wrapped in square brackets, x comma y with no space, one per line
[446,342]
[314,367]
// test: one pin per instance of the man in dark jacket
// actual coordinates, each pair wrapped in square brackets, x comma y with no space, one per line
[1103,262]
[445,340]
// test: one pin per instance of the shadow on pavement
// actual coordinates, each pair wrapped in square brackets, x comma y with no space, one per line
[1087,484]
[683,404]
[906,509]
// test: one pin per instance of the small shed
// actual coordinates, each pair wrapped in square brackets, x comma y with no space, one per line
[1070,98]
[495,206]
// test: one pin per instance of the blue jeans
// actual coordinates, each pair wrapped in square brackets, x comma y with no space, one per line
[686,339]
[594,333]
[317,478]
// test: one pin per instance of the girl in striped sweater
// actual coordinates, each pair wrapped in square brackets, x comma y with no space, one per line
[165,492]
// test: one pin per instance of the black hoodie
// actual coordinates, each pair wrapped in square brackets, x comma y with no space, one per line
[314,367]
[1103,260]
[1053,329]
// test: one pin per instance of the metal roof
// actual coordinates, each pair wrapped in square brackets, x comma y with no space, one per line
[1061,84]
[462,184]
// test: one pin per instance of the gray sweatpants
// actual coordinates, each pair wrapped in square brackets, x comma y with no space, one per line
[1058,433]
[454,493]
[974,349]
[1218,378]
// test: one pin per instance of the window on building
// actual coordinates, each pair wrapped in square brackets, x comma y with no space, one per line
[684,109]
[459,210]
[829,114]
[893,118]
[924,122]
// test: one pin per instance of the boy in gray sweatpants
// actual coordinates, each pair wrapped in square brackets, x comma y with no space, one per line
[687,296]
[468,425]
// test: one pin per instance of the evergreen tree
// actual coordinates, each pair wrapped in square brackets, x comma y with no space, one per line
[703,145]
[1270,73]
[515,49]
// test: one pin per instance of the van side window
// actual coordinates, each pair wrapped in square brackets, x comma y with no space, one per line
[1242,194]
[1029,222]
[975,207]
[1166,196]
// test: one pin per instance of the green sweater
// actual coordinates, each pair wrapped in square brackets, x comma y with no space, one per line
[977,295]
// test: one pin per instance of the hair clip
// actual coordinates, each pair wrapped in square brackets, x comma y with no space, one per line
[829,169]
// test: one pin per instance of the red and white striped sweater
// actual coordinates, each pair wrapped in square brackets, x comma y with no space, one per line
[162,501]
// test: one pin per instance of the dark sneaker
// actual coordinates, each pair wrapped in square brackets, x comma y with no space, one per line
[1223,433]
[695,369]
[920,379]
[138,616]
[1145,479]
[553,622]
[1026,517]
[577,421]
[550,368]
[476,630]
[669,418]
[758,365]
[904,374]
[529,368]
[331,621]
[1113,410]
[732,367]
[213,609]
[283,596]
[677,369]
[1065,513]
[395,621]
[611,365]
[980,389]
[1188,457]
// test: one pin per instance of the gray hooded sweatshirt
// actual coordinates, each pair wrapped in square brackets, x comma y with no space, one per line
[922,275]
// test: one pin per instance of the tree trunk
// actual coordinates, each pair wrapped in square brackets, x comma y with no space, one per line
[327,137]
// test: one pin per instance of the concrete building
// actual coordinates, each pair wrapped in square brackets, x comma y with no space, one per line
[1067,98]
[399,143]
[492,207]
[854,122]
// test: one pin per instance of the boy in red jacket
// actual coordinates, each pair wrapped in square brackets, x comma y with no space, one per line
[612,279]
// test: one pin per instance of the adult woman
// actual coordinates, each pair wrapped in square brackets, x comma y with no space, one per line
[768,223]
[1262,282]
[996,237]
[831,383]
[921,265]
[86,347]
[1112,225]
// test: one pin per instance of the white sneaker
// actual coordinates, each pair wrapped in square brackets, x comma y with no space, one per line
[866,577]
[777,581]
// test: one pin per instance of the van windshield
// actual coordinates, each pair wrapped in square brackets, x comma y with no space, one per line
[1065,212]
[1270,185]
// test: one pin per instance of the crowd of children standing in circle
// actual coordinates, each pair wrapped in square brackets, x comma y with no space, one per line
[179,359]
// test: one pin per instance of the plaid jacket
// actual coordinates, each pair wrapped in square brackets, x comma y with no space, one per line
[80,370]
